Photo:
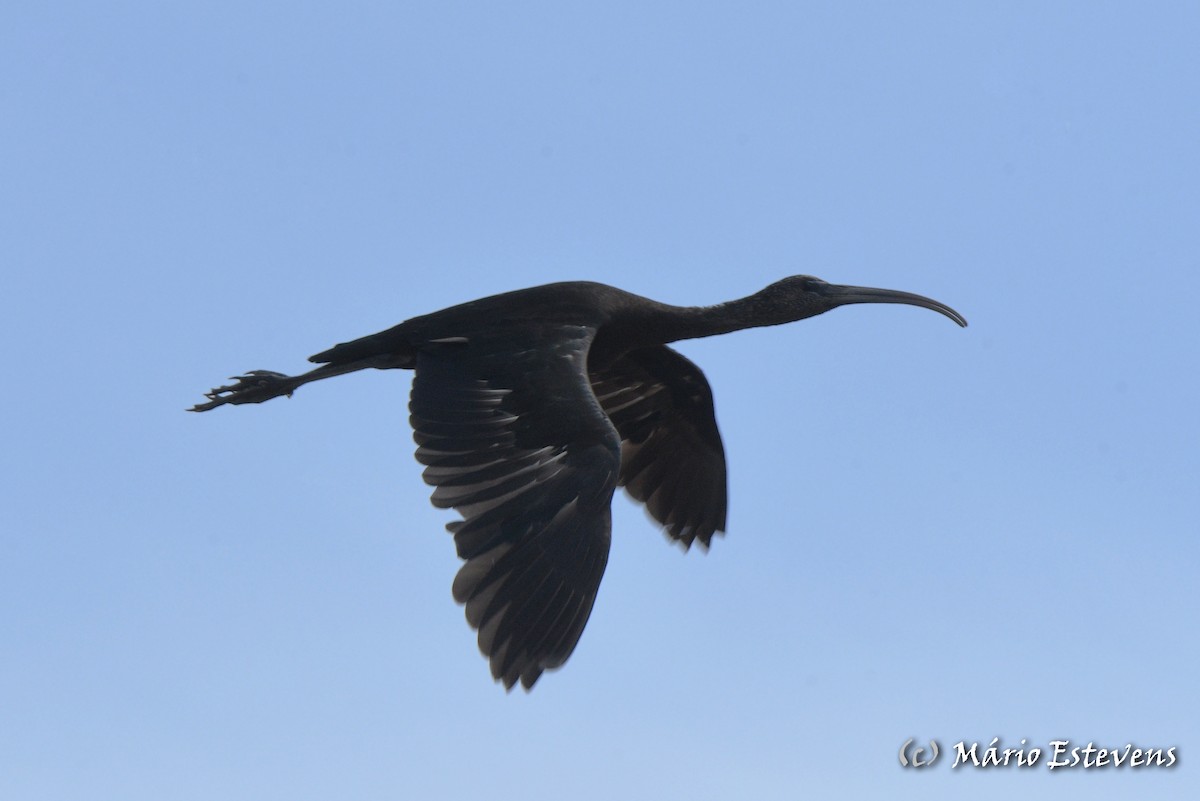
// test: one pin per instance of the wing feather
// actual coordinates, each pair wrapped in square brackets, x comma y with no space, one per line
[672,458]
[513,438]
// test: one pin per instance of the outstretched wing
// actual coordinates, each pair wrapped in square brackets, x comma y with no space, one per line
[513,439]
[672,458]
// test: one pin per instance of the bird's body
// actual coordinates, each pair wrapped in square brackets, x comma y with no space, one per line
[529,408]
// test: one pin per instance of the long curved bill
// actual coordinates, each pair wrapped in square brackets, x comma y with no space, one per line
[844,295]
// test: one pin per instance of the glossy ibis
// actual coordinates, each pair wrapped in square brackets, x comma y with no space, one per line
[531,407]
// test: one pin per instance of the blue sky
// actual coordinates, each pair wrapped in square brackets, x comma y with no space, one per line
[933,532]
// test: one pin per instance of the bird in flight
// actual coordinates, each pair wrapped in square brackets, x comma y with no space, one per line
[530,408]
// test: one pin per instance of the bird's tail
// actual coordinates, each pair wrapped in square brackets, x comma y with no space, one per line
[392,344]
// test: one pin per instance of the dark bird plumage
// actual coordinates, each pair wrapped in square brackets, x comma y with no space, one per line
[530,408]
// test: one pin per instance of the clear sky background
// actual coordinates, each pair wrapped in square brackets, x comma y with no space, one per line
[933,532]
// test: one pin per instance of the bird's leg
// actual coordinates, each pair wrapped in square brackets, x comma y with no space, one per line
[257,386]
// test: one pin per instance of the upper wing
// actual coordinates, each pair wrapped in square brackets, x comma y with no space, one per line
[513,439]
[672,458]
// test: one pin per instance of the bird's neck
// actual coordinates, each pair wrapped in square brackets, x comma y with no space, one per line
[672,323]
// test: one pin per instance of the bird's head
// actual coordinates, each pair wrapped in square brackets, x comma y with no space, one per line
[802,296]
